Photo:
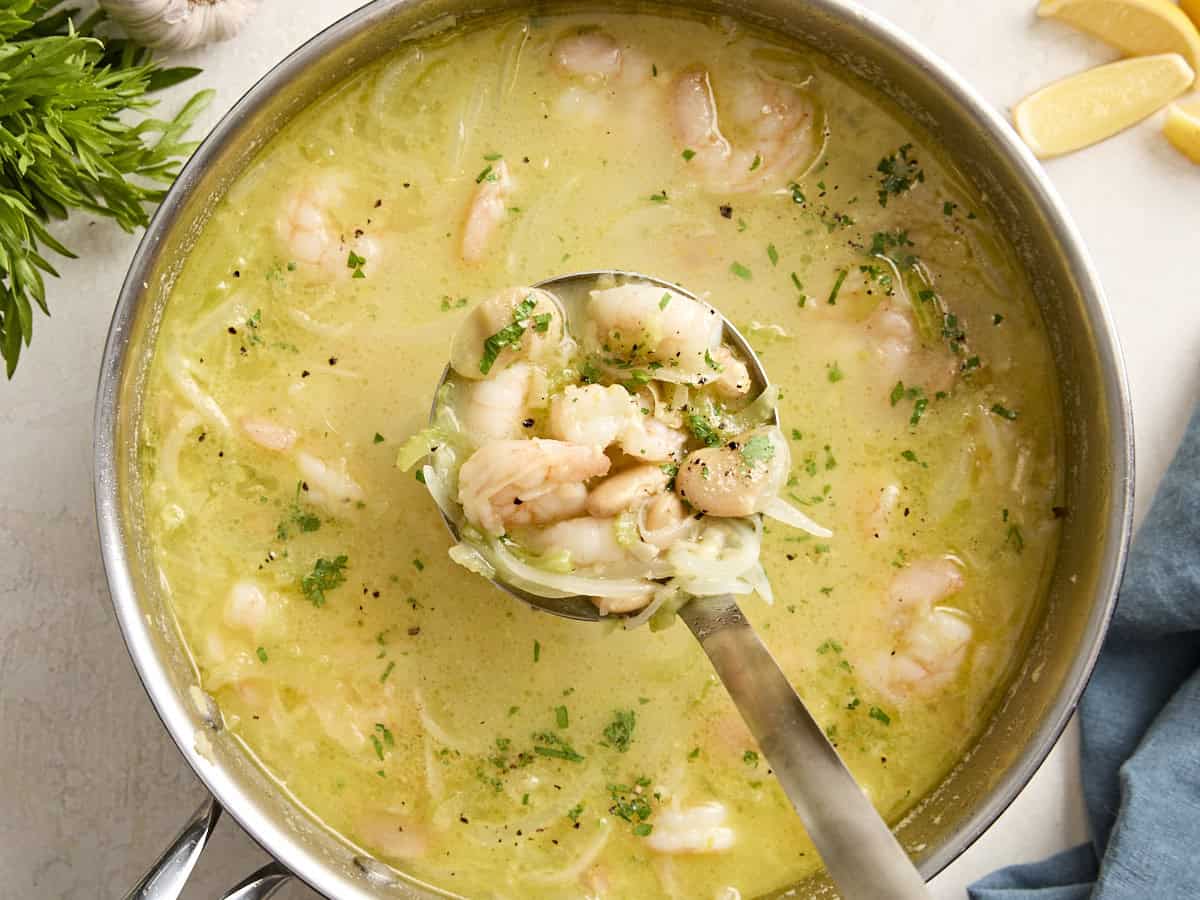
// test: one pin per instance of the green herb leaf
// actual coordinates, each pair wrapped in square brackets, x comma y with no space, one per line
[326,575]
[688,154]
[619,732]
[834,373]
[772,254]
[740,271]
[703,430]
[750,758]
[262,654]
[879,715]
[1004,412]
[758,449]
[537,651]
[560,716]
[899,174]
[837,286]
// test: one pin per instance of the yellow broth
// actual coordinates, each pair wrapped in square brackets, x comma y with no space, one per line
[401,698]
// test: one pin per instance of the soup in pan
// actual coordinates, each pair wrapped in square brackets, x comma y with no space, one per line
[430,719]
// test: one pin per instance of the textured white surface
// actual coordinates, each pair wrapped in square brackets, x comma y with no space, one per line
[90,786]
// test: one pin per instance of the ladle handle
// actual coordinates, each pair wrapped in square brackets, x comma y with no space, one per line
[860,852]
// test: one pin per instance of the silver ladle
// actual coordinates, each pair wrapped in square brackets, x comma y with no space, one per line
[861,854]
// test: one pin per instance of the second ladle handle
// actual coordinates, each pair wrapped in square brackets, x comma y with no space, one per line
[860,852]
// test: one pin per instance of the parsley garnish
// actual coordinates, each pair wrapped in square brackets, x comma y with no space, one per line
[835,373]
[666,299]
[688,154]
[325,576]
[772,254]
[879,715]
[560,717]
[750,758]
[619,732]
[758,449]
[262,654]
[711,363]
[508,335]
[837,286]
[740,271]
[899,174]
[1004,412]
[703,431]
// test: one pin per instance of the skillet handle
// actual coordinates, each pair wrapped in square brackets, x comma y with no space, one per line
[262,884]
[166,878]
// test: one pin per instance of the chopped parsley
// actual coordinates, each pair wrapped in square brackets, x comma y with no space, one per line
[262,654]
[388,671]
[829,644]
[711,363]
[703,430]
[891,244]
[912,458]
[618,733]
[326,575]
[379,438]
[772,254]
[550,744]
[750,758]
[758,449]
[665,301]
[757,162]
[837,286]
[1003,412]
[631,805]
[948,208]
[740,271]
[574,812]
[899,174]
[660,197]
[560,717]
[919,406]
[797,194]
[879,715]
[508,335]
[486,174]
[537,650]
[834,373]
[687,154]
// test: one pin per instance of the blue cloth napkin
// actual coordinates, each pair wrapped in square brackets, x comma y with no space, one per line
[1140,719]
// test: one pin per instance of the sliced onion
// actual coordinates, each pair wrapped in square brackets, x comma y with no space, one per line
[779,509]
[762,585]
[551,584]
[472,560]
[438,490]
[662,594]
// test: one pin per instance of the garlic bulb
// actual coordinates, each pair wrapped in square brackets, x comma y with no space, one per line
[179,24]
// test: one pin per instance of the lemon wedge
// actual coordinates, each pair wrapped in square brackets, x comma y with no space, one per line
[1182,128]
[1096,104]
[1136,27]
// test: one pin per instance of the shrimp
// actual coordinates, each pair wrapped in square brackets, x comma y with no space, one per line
[738,478]
[627,489]
[930,642]
[644,324]
[695,829]
[664,520]
[897,344]
[590,541]
[517,324]
[593,415]
[501,477]
[651,440]
[493,409]
[589,54]
[485,212]
[394,836]
[607,80]
[310,231]
[778,121]
[246,607]
[734,378]
[268,434]
[328,484]
[601,416]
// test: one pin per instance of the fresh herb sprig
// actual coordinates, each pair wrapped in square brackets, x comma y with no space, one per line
[68,143]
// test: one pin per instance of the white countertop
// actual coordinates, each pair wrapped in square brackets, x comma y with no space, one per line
[91,788]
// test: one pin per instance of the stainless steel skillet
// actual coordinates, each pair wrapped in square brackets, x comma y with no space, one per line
[1097,426]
